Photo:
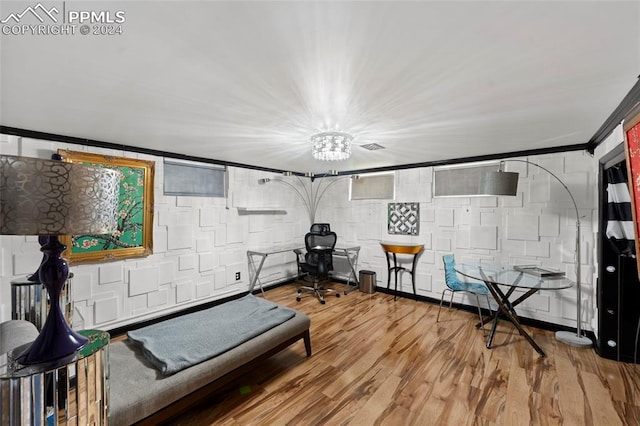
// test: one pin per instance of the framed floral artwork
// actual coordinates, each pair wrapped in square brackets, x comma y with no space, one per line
[134,234]
[631,129]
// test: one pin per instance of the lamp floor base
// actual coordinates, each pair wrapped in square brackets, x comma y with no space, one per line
[572,339]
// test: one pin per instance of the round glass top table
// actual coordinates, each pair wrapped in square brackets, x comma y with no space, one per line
[512,277]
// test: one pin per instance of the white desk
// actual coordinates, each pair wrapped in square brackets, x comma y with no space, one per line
[350,253]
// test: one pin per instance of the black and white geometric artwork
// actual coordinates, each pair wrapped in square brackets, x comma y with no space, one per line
[404,218]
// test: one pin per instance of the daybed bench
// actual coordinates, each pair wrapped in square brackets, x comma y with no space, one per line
[139,392]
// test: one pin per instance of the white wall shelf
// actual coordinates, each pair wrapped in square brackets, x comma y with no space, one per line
[259,210]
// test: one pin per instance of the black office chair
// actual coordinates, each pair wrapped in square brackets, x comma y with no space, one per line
[320,227]
[315,227]
[317,262]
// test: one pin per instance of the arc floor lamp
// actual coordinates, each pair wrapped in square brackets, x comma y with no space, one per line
[506,183]
[310,194]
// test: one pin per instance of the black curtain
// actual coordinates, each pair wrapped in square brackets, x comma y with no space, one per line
[619,216]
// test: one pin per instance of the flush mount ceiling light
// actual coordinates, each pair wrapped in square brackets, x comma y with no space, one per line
[331,146]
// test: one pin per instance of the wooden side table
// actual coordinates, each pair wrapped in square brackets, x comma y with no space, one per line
[392,250]
[74,391]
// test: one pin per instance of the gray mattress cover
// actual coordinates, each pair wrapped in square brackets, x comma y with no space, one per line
[138,389]
[189,339]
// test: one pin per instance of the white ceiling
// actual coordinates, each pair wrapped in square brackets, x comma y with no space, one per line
[249,82]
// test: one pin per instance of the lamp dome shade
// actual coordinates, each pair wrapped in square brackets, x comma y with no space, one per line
[498,183]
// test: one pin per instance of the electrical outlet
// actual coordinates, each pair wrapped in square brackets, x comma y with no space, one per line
[237,276]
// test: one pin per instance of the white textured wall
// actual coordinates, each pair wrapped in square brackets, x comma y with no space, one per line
[535,227]
[198,246]
[200,243]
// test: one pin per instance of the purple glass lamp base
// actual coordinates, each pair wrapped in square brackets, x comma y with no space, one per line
[56,340]
[35,277]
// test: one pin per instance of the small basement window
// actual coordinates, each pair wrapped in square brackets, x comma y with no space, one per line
[375,186]
[188,178]
[460,180]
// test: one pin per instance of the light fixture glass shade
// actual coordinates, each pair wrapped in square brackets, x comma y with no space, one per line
[498,183]
[47,197]
[331,146]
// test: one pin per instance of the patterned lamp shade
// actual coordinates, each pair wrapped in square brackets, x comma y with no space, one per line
[46,197]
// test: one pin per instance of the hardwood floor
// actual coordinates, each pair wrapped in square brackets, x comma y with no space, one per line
[380,362]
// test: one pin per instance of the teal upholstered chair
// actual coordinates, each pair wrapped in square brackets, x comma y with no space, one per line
[455,285]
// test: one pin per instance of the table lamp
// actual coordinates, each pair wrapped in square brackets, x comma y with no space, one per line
[52,198]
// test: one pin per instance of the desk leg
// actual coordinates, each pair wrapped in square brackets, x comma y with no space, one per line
[509,312]
[389,270]
[513,304]
[395,270]
[256,271]
[413,276]
[495,317]
[352,265]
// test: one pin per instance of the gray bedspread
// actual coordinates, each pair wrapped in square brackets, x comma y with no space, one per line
[181,342]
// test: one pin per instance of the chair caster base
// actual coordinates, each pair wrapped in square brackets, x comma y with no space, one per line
[297,299]
[322,302]
[337,294]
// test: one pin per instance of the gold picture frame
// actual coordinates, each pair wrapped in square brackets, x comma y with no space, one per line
[631,129]
[134,236]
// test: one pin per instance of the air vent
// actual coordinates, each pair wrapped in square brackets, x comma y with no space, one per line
[372,146]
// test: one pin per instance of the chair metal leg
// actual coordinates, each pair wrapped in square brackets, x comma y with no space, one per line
[317,290]
[477,304]
[441,299]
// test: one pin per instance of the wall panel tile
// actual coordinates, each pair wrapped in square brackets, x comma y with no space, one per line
[105,310]
[522,227]
[143,280]
[484,237]
[158,298]
[184,292]
[110,273]
[180,237]
[537,249]
[187,261]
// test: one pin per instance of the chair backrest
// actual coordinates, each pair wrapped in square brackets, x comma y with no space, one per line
[320,227]
[320,250]
[450,274]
